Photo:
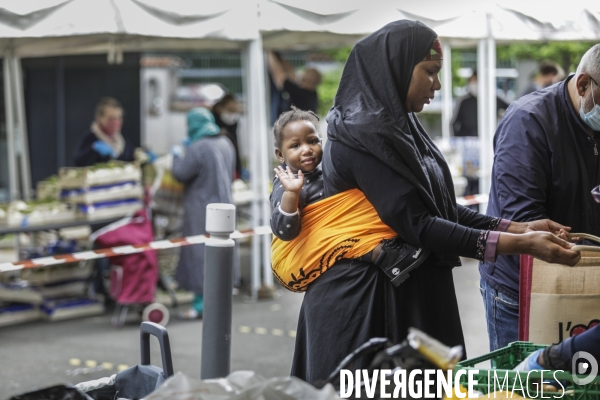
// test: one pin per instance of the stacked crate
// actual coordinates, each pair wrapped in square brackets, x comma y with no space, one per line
[102,191]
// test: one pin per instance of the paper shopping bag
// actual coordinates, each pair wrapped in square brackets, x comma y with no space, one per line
[557,301]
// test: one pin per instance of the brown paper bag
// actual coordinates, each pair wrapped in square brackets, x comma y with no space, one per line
[558,301]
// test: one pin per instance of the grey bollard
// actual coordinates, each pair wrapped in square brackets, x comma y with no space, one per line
[218,285]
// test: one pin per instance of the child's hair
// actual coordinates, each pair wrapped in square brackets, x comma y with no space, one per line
[295,114]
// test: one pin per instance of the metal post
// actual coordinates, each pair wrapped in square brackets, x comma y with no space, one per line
[265,158]
[487,146]
[256,108]
[61,136]
[482,95]
[446,92]
[22,124]
[218,285]
[13,180]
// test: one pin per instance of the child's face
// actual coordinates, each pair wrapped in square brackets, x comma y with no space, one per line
[300,146]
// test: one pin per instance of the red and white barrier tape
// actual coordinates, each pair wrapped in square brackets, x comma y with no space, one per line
[162,244]
[123,250]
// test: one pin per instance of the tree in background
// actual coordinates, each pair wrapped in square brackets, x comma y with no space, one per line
[566,54]
[331,80]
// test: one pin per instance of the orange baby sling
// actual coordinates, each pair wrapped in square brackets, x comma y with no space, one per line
[341,226]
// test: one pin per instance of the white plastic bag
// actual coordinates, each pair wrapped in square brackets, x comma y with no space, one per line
[240,385]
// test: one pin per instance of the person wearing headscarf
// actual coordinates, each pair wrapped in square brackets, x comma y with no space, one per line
[377,145]
[206,171]
[104,141]
[227,116]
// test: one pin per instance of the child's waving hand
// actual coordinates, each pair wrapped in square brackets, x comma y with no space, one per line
[289,181]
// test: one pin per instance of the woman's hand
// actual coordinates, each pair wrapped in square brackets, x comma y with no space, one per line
[289,181]
[542,245]
[541,225]
[564,235]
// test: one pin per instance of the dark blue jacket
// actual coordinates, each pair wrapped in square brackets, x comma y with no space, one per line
[85,155]
[545,166]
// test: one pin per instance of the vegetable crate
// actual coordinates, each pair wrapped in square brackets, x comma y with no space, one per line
[505,359]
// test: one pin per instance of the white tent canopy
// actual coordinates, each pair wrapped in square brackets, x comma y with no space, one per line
[317,23]
[62,27]
[310,24]
[83,26]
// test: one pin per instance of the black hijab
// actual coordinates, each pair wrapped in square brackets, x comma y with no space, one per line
[369,113]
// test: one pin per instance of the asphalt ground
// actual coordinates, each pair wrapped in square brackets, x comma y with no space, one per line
[40,354]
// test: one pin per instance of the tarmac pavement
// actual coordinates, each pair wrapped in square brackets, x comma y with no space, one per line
[41,354]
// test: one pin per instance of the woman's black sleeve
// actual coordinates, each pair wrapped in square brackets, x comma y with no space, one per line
[400,206]
[473,219]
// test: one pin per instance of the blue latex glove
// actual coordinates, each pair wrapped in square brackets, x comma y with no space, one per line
[151,156]
[177,151]
[530,363]
[245,175]
[186,142]
[103,149]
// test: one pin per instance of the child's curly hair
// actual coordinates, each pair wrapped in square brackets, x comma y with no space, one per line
[295,114]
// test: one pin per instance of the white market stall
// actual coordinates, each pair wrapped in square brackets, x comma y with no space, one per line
[112,27]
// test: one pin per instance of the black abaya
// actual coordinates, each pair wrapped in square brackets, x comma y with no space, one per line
[354,301]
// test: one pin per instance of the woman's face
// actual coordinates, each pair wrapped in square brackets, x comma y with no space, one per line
[423,84]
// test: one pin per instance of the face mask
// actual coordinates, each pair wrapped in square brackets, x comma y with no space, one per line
[112,127]
[473,88]
[591,118]
[230,118]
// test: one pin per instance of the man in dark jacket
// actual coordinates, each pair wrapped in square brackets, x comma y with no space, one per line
[547,74]
[465,123]
[104,142]
[546,162]
[465,119]
[303,95]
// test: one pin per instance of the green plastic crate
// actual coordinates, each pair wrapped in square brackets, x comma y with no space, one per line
[507,358]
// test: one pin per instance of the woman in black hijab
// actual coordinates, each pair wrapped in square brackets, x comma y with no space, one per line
[378,146]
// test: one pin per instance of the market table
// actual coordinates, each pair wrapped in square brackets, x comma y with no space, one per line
[5,230]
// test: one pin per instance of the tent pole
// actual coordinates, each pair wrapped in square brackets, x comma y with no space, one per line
[257,62]
[22,124]
[487,150]
[446,92]
[482,114]
[251,105]
[10,133]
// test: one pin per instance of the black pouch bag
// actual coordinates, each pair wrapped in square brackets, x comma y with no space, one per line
[398,258]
